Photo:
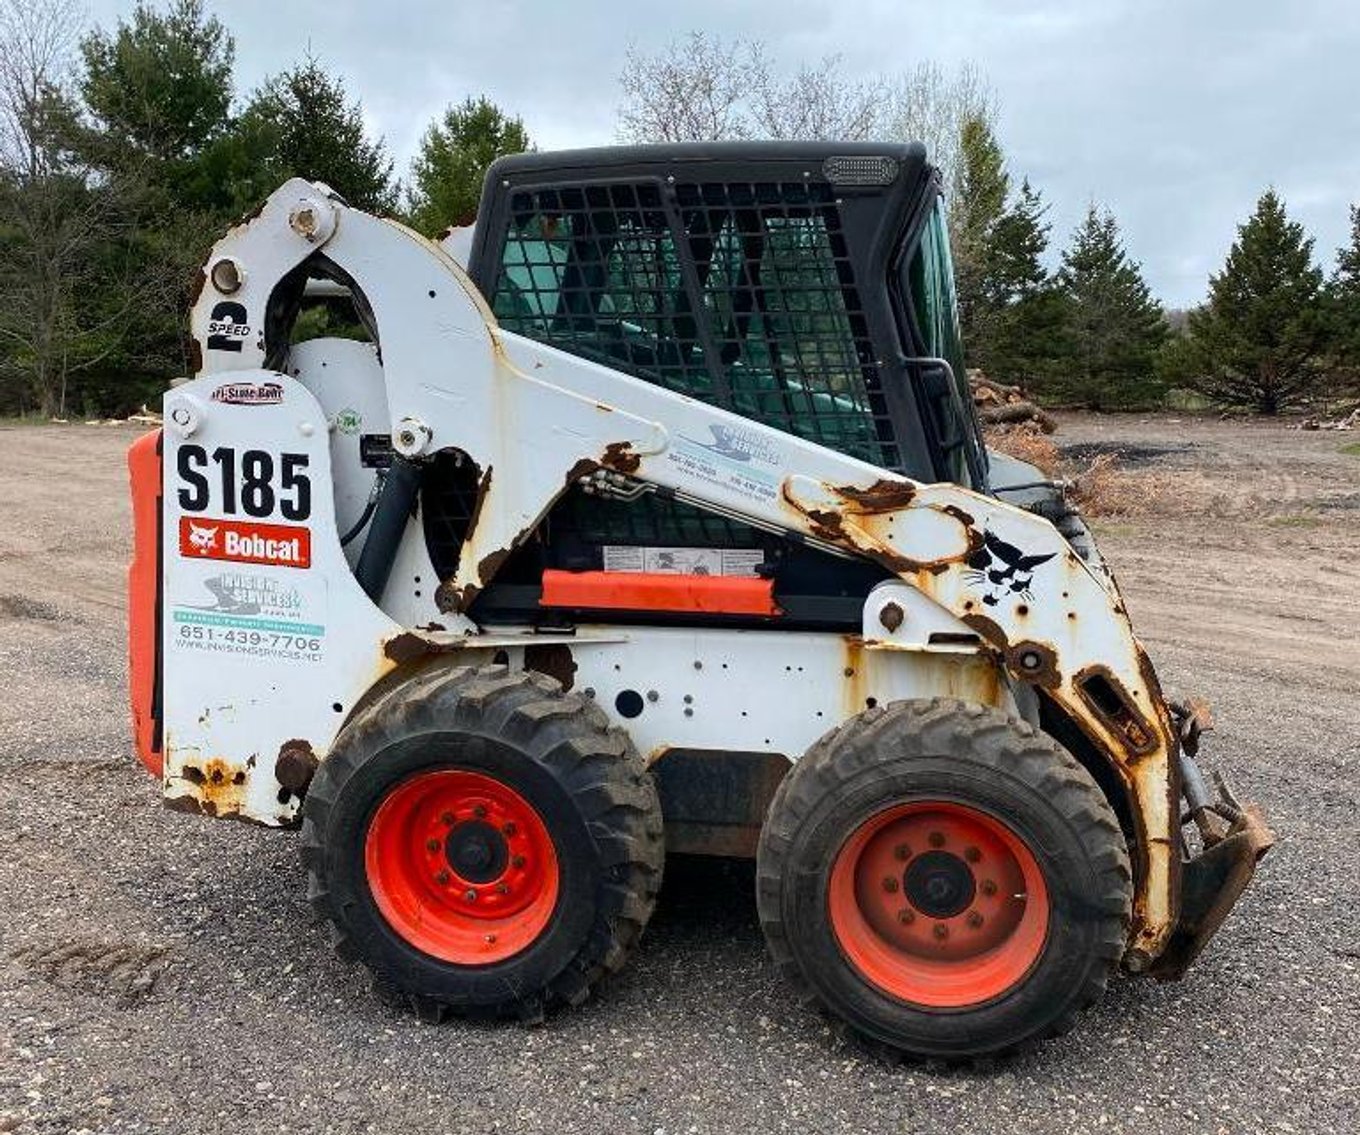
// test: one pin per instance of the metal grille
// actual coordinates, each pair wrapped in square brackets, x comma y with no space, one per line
[860,170]
[760,315]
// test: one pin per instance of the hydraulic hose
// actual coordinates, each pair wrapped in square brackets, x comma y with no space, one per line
[393,508]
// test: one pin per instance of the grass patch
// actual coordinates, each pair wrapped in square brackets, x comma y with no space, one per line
[1353,449]
[1293,520]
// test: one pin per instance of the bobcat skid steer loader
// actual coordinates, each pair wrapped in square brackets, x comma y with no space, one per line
[652,513]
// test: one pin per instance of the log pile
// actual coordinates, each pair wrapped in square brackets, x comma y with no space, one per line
[1001,405]
[1350,422]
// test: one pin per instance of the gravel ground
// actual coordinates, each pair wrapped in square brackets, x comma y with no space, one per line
[160,972]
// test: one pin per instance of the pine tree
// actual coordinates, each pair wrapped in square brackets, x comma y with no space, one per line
[1112,326]
[981,186]
[1009,313]
[1343,300]
[160,85]
[452,162]
[1256,342]
[301,124]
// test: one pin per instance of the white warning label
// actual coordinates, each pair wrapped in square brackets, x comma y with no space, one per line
[683,561]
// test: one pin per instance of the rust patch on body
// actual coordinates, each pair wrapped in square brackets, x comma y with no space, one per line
[553,659]
[217,786]
[989,629]
[619,456]
[583,468]
[405,647]
[884,495]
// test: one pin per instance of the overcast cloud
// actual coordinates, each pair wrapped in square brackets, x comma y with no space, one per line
[1174,113]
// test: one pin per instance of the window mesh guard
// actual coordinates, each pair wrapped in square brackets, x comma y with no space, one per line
[761,316]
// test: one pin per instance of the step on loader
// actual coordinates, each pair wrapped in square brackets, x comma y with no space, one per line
[651,513]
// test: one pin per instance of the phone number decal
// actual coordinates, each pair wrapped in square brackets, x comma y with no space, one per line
[256,638]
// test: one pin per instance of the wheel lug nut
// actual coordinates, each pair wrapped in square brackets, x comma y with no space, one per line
[470,895]
[988,887]
[431,845]
[972,854]
[517,861]
[502,888]
[941,931]
[902,852]
[509,829]
[936,839]
[446,819]
[906,916]
[890,885]
[480,811]
[490,939]
[442,878]
[975,920]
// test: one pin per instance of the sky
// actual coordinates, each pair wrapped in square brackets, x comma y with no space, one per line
[1175,114]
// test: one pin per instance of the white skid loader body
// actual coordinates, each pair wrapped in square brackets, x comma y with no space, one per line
[269,643]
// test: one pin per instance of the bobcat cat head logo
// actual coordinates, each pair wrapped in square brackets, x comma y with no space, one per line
[1001,569]
[203,538]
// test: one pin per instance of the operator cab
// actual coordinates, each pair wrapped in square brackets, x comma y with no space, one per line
[804,285]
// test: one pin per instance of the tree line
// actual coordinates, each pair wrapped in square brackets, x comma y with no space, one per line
[126,151]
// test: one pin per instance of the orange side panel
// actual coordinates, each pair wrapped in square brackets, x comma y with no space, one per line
[653,591]
[144,599]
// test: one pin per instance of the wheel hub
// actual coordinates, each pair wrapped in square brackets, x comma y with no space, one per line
[477,852]
[939,884]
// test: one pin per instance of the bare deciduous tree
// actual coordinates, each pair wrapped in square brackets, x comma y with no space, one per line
[61,303]
[816,103]
[929,105]
[691,91]
[702,88]
[37,44]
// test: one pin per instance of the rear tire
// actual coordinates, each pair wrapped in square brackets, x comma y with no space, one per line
[484,842]
[944,879]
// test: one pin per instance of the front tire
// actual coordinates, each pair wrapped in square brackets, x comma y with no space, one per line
[946,880]
[484,842]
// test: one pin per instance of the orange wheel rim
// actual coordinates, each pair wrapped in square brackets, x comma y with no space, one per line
[461,866]
[938,904]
